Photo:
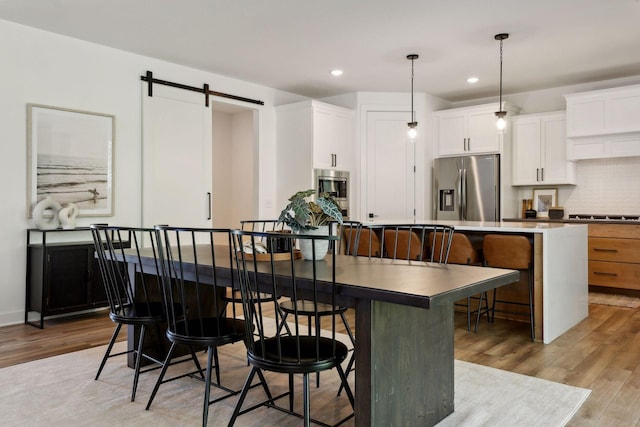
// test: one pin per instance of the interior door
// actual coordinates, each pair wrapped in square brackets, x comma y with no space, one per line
[390,175]
[176,158]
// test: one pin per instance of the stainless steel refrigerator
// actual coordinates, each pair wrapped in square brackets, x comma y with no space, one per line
[467,188]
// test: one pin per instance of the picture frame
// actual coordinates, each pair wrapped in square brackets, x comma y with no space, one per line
[543,199]
[70,158]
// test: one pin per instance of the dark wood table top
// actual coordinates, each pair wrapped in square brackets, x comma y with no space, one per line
[411,283]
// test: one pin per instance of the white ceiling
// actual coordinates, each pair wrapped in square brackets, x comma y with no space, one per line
[292,45]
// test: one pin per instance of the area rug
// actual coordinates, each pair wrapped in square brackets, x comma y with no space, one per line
[614,300]
[61,391]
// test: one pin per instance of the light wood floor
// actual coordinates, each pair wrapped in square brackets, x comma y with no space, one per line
[602,353]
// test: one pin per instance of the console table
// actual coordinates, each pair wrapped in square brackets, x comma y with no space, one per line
[62,274]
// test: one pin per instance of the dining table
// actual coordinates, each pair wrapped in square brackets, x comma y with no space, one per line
[404,313]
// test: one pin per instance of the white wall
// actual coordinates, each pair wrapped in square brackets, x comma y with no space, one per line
[45,68]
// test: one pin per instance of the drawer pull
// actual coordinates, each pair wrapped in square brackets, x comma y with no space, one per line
[600,273]
[604,250]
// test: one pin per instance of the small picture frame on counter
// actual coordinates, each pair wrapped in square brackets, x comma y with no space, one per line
[543,199]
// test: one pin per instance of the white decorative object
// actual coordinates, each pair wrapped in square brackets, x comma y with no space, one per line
[322,246]
[67,216]
[46,223]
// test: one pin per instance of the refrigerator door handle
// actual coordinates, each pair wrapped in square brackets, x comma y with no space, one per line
[463,194]
[459,202]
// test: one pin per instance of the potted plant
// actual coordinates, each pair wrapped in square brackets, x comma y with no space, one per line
[304,215]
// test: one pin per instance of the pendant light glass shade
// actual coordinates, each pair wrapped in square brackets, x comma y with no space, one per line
[413,132]
[501,123]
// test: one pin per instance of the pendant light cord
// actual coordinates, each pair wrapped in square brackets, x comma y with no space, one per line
[412,110]
[500,106]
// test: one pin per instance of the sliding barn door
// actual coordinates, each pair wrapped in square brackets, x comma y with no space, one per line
[176,158]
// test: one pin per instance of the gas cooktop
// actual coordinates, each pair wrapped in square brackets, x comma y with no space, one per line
[605,217]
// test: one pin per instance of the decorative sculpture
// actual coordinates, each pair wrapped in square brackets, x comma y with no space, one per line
[46,223]
[67,216]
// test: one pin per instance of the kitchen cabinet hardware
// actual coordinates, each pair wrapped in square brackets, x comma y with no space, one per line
[604,273]
[208,205]
[605,250]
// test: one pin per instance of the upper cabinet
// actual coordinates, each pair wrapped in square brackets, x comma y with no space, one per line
[332,137]
[604,123]
[603,112]
[539,150]
[311,134]
[322,133]
[469,130]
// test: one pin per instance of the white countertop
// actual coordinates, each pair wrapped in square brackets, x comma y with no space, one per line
[495,226]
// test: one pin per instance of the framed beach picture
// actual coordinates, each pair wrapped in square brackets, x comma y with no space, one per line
[70,158]
[543,199]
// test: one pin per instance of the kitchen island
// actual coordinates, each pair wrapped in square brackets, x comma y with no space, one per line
[560,251]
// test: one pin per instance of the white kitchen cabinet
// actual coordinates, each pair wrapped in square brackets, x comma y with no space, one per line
[469,130]
[603,112]
[311,134]
[332,137]
[540,150]
[326,130]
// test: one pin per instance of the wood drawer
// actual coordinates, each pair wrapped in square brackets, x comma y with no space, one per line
[617,250]
[622,231]
[614,274]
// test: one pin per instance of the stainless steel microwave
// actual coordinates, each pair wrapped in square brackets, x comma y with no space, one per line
[335,183]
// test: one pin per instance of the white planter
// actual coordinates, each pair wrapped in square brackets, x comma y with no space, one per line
[322,246]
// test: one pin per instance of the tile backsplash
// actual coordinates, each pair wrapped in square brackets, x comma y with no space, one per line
[604,186]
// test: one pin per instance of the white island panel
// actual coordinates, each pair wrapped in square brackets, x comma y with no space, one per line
[565,280]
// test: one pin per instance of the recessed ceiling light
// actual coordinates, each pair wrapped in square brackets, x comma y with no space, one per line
[336,72]
[472,80]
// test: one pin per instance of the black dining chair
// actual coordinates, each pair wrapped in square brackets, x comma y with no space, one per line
[304,351]
[193,293]
[260,225]
[462,251]
[135,300]
[413,242]
[348,236]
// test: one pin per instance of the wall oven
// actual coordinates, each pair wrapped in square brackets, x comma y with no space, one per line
[335,183]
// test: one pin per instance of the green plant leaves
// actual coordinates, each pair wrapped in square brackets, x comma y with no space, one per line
[301,215]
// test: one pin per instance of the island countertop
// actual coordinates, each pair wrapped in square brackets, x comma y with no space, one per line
[491,226]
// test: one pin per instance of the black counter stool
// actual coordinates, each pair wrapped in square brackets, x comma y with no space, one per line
[512,252]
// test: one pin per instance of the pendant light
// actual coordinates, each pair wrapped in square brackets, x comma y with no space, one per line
[412,124]
[500,114]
